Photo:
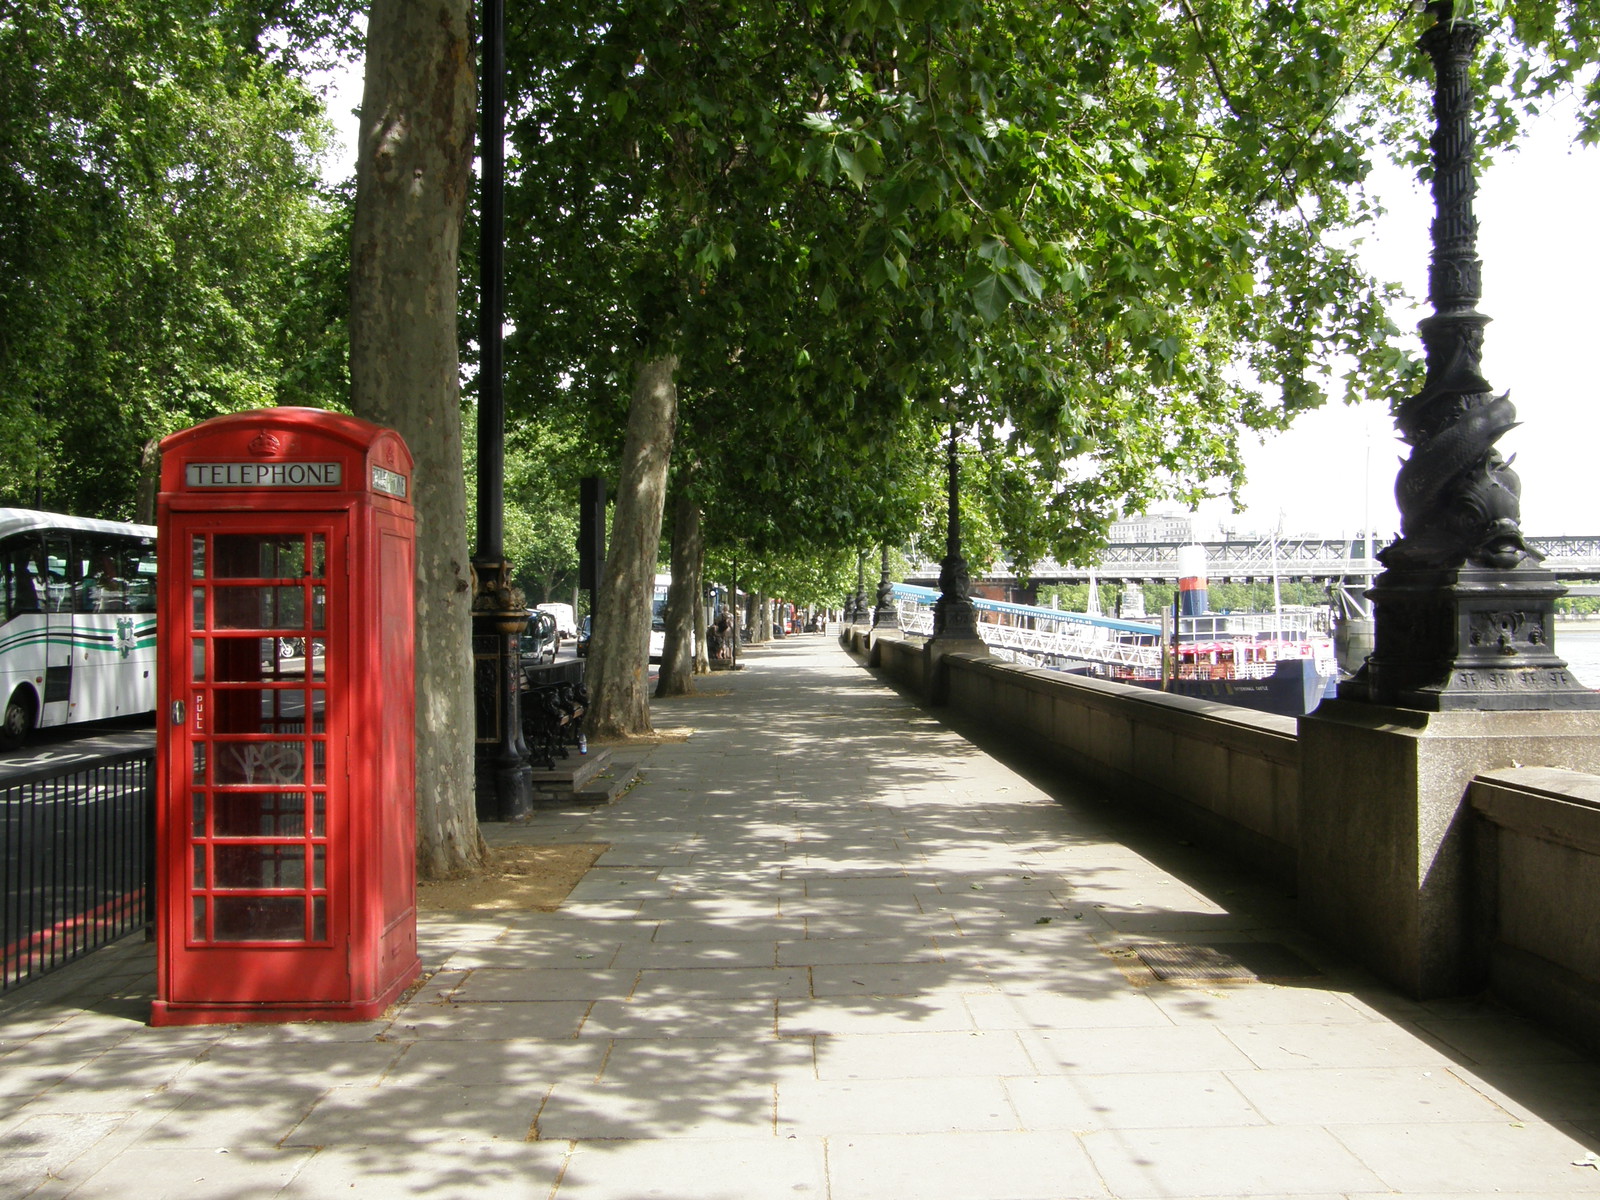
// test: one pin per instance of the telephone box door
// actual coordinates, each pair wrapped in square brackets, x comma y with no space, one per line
[256,737]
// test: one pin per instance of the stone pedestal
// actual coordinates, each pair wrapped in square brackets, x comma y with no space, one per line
[936,682]
[1383,867]
[1468,638]
[877,638]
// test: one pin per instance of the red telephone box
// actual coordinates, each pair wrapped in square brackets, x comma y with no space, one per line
[286,825]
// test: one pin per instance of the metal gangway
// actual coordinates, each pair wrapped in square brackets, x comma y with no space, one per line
[1041,637]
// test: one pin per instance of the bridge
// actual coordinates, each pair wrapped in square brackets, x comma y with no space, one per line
[1307,558]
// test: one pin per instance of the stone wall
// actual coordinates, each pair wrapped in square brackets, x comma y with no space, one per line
[1535,850]
[1231,775]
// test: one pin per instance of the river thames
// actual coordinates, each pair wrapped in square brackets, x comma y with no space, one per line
[1579,644]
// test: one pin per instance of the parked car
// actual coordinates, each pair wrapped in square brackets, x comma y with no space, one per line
[582,647]
[540,641]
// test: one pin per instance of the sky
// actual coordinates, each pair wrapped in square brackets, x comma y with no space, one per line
[1333,471]
[1539,238]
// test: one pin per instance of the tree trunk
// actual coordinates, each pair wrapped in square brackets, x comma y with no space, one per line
[702,619]
[144,511]
[619,651]
[688,548]
[412,171]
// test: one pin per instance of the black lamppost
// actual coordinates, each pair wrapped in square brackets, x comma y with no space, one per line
[859,612]
[954,617]
[886,615]
[504,780]
[1464,615]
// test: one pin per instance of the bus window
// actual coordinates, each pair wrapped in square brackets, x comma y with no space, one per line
[140,557]
[62,572]
[19,559]
[107,573]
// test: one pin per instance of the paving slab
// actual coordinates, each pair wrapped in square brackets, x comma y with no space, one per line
[697,1169]
[836,950]
[1255,1160]
[469,1171]
[960,1166]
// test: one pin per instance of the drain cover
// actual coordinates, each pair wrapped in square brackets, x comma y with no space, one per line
[1231,962]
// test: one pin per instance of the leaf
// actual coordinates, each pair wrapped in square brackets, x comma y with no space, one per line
[853,166]
[988,297]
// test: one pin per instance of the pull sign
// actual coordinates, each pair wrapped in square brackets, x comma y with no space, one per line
[200,714]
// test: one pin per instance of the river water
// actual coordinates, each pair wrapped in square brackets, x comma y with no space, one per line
[1579,644]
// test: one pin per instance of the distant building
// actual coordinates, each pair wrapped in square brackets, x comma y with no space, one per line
[1153,527]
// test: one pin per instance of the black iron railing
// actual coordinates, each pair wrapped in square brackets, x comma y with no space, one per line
[77,852]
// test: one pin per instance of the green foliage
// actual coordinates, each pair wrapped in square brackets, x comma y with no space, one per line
[857,222]
[157,203]
[1577,606]
[542,470]
[818,579]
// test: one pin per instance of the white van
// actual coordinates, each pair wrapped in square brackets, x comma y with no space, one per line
[566,619]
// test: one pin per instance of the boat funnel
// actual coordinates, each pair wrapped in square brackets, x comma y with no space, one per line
[1192,594]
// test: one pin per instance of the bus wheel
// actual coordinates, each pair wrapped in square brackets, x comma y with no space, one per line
[19,721]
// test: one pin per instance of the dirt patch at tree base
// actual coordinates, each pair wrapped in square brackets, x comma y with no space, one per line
[530,878]
[657,738]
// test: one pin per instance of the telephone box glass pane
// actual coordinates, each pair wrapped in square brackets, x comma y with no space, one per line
[250,866]
[241,660]
[199,608]
[199,818]
[319,555]
[319,878]
[259,608]
[199,868]
[197,557]
[319,604]
[259,710]
[260,763]
[259,814]
[200,762]
[258,919]
[199,918]
[198,654]
[319,809]
[258,556]
[319,919]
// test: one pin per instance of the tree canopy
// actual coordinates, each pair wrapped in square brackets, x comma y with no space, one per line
[160,218]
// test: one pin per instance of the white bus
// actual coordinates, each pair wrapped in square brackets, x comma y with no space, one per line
[78,637]
[658,616]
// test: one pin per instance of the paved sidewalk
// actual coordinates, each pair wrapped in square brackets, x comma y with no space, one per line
[834,951]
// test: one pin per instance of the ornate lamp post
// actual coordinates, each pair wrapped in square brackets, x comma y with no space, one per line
[886,615]
[954,617]
[1464,614]
[859,612]
[504,778]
